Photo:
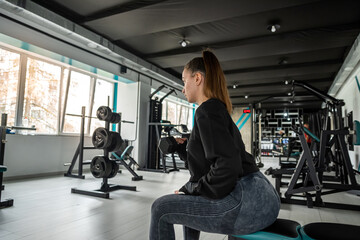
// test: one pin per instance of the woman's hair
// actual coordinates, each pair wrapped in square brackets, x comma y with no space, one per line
[215,83]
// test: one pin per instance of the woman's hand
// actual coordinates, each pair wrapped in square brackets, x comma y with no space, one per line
[180,140]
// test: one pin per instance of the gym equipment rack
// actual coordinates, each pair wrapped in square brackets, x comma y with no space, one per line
[8,202]
[155,128]
[106,188]
[79,153]
[312,167]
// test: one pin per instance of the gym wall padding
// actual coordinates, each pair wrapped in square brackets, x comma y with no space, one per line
[246,127]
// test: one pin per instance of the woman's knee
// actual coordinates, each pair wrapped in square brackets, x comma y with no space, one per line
[162,203]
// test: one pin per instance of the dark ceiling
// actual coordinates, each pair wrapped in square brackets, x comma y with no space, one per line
[311,44]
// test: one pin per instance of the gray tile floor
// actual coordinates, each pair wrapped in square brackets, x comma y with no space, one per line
[44,208]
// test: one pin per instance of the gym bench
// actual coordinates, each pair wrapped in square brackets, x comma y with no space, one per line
[283,229]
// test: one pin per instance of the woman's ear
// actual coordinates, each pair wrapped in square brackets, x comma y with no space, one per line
[199,78]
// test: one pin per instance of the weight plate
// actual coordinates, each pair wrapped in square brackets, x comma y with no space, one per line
[116,142]
[101,138]
[114,169]
[100,166]
[115,118]
[104,113]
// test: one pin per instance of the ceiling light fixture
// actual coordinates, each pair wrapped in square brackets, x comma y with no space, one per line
[234,86]
[246,96]
[273,28]
[184,43]
[283,61]
[91,45]
[289,94]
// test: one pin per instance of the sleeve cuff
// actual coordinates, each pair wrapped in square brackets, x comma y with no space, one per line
[189,188]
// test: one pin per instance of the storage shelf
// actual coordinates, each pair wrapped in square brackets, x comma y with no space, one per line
[274,121]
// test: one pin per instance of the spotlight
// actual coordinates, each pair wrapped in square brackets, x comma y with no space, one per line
[289,94]
[184,42]
[283,61]
[273,28]
[246,96]
[91,45]
[285,114]
[286,82]
[234,86]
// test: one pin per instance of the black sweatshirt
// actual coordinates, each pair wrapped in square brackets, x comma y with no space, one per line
[215,153]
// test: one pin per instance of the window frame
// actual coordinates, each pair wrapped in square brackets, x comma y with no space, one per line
[20,95]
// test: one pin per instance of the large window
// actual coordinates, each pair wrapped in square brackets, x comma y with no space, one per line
[47,94]
[171,113]
[41,98]
[176,111]
[9,76]
[104,92]
[184,112]
[78,96]
[164,110]
[190,119]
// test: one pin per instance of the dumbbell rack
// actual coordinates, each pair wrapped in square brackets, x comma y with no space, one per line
[106,188]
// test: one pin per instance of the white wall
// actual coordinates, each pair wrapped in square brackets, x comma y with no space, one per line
[127,106]
[350,93]
[133,100]
[246,129]
[35,155]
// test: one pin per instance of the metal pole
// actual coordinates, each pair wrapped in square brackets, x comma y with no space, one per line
[2,145]
[81,152]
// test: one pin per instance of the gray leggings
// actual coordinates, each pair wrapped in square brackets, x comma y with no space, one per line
[251,206]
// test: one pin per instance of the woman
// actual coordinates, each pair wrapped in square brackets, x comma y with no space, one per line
[226,193]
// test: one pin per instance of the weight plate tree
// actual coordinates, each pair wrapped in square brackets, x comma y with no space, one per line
[102,166]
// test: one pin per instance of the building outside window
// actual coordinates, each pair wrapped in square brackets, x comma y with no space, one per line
[9,77]
[78,96]
[41,96]
[104,92]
